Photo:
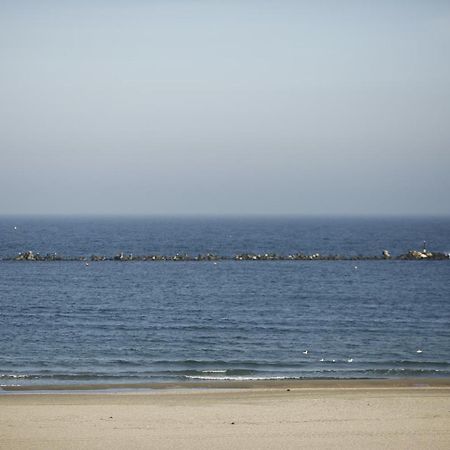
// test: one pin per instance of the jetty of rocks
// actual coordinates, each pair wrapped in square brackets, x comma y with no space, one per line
[123,257]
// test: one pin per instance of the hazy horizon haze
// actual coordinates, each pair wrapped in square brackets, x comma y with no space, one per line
[225,108]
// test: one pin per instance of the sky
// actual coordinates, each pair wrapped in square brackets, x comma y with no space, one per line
[225,107]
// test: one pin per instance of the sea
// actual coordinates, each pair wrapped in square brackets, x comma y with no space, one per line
[83,322]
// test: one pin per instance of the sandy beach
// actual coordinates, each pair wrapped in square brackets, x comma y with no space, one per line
[411,414]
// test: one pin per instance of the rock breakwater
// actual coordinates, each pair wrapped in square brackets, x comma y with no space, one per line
[123,257]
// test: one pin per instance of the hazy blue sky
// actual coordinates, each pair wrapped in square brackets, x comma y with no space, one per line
[166,107]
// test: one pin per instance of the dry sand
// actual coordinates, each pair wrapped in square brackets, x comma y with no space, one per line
[350,415]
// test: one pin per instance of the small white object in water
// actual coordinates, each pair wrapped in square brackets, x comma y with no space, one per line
[333,360]
[350,360]
[305,352]
[419,351]
[356,267]
[86,264]
[322,360]
[15,227]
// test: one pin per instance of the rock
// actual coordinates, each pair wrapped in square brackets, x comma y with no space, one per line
[418,255]
[119,257]
[98,258]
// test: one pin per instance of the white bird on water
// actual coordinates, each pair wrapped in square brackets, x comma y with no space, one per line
[305,352]
[419,351]
[350,360]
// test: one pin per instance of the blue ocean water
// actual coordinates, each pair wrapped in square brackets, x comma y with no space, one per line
[65,322]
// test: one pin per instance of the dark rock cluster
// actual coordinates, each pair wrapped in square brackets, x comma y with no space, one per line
[419,255]
[30,256]
[385,255]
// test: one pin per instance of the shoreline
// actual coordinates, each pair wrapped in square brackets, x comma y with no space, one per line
[354,383]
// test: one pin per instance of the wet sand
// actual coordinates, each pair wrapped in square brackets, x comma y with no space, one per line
[401,414]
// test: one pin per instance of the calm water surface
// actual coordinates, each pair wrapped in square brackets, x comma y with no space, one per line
[65,322]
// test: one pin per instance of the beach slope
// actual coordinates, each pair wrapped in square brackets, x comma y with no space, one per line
[252,418]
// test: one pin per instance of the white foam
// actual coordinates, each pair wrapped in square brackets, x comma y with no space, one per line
[6,375]
[235,378]
[214,371]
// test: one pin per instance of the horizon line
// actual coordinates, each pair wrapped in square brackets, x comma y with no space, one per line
[227,215]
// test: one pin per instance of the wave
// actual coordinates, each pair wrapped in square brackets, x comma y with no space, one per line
[12,376]
[68,376]
[239,378]
[215,370]
[334,374]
